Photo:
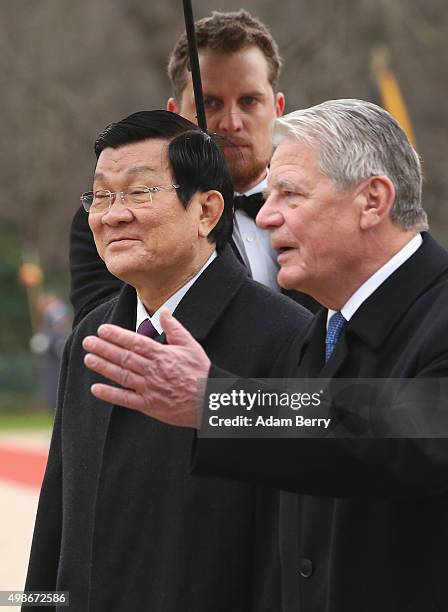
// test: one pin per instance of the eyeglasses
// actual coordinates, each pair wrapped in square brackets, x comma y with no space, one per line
[137,197]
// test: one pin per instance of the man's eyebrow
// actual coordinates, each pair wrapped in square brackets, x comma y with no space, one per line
[140,170]
[280,183]
[284,183]
[252,94]
[246,94]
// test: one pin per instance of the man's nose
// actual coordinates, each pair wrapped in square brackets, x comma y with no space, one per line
[118,211]
[230,120]
[269,216]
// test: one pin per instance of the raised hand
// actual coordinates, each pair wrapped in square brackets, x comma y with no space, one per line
[159,380]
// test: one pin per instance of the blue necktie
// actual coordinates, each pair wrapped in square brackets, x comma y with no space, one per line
[146,328]
[335,327]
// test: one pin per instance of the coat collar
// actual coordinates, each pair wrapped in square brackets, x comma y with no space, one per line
[379,314]
[382,311]
[209,297]
[202,305]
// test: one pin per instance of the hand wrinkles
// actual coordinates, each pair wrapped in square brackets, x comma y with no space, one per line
[126,360]
[124,378]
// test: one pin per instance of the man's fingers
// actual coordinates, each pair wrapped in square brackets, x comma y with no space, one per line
[129,340]
[115,354]
[122,376]
[120,397]
[175,332]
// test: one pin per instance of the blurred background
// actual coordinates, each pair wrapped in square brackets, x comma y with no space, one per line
[69,68]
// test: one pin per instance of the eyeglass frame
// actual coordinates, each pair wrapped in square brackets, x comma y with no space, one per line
[123,194]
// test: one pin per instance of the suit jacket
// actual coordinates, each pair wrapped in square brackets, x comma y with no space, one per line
[92,284]
[121,522]
[368,529]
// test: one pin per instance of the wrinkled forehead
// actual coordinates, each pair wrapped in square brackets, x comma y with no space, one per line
[295,154]
[147,158]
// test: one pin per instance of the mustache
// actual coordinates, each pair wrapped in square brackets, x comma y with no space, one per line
[225,141]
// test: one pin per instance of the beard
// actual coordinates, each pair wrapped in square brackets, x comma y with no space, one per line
[246,170]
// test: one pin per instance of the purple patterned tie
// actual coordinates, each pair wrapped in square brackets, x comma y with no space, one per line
[146,328]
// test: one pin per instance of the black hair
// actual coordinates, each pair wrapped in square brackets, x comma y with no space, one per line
[196,160]
[198,164]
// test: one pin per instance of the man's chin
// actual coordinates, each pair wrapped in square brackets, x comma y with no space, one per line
[119,269]
[245,172]
[288,281]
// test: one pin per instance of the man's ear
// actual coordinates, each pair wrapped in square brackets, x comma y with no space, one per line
[279,103]
[212,204]
[172,106]
[377,198]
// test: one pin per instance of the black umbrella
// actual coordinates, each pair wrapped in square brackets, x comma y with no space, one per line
[194,65]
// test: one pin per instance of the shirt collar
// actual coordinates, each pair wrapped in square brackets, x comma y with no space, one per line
[172,302]
[260,187]
[377,279]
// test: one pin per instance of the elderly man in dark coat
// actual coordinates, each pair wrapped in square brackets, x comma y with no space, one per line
[121,523]
[364,526]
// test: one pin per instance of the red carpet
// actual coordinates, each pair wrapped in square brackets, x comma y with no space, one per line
[23,466]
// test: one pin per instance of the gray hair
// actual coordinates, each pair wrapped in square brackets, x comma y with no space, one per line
[355,140]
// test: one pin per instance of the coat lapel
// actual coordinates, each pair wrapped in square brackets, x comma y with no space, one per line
[383,310]
[311,352]
[198,311]
[123,313]
[378,315]
[202,307]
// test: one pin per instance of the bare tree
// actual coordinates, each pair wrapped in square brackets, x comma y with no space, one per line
[67,69]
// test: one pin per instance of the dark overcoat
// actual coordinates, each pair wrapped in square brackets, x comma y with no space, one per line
[368,530]
[121,523]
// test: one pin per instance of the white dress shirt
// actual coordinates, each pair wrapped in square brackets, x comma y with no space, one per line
[172,302]
[377,279]
[254,246]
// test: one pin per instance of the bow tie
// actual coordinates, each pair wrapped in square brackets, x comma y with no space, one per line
[250,204]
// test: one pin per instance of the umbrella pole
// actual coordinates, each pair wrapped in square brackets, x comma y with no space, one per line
[194,65]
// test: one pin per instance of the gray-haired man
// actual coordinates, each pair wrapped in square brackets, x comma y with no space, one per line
[364,527]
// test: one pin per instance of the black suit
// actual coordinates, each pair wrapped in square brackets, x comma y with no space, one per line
[92,284]
[121,523]
[369,528]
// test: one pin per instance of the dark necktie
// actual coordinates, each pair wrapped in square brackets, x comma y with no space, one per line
[250,204]
[146,328]
[335,327]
